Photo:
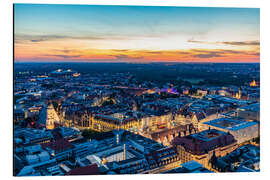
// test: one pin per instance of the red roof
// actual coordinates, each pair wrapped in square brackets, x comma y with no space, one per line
[167,132]
[197,145]
[87,170]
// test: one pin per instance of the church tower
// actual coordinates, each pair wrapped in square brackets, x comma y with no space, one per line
[48,117]
[239,94]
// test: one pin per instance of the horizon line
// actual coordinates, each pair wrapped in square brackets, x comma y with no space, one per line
[137,62]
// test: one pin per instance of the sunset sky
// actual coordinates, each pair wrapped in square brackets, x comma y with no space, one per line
[86,33]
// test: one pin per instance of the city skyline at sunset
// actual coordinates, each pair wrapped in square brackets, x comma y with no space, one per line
[103,90]
[88,33]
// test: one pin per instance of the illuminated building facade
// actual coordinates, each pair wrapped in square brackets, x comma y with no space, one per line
[200,146]
[241,130]
[189,167]
[145,123]
[103,123]
[239,94]
[166,136]
[48,117]
[253,83]
[155,121]
[244,159]
[250,112]
[186,92]
[76,118]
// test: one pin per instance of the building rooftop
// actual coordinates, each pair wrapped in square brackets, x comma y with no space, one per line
[230,124]
[87,170]
[201,143]
[115,117]
[190,167]
[59,145]
[252,107]
[208,135]
[244,159]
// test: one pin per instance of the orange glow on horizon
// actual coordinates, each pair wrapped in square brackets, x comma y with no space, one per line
[23,53]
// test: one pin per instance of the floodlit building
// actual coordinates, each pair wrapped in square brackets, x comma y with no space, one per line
[200,146]
[189,167]
[241,130]
[48,117]
[103,123]
[128,153]
[250,112]
[243,159]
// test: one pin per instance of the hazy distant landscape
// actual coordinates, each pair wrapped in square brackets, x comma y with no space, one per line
[180,73]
